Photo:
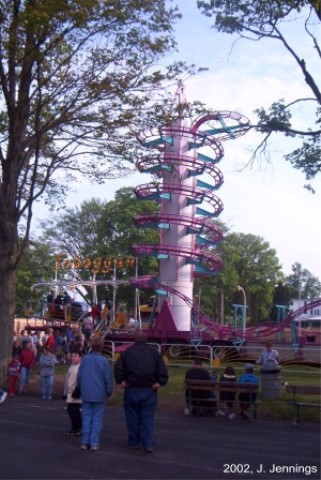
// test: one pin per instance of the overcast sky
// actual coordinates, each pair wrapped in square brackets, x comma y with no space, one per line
[268,199]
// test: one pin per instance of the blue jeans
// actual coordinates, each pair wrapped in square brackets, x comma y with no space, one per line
[25,373]
[46,386]
[140,406]
[92,421]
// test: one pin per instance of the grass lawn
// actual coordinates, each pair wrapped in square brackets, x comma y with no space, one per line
[171,397]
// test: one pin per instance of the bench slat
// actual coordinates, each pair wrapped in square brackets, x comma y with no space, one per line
[304,389]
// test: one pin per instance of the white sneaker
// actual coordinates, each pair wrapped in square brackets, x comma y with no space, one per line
[231,416]
[3,396]
[220,413]
[186,411]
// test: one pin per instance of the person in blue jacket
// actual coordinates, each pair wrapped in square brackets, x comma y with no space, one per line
[94,380]
[246,398]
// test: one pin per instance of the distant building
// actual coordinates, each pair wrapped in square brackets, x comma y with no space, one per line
[309,313]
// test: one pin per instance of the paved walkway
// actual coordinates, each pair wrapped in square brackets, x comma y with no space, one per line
[33,446]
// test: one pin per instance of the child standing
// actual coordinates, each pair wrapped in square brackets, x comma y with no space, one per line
[73,404]
[47,364]
[13,374]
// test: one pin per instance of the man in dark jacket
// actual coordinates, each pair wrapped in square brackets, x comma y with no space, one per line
[200,398]
[140,370]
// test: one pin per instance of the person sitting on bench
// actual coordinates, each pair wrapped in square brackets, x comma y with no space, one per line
[200,398]
[228,376]
[246,398]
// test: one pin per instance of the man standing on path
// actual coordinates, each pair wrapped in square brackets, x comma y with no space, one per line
[94,379]
[140,370]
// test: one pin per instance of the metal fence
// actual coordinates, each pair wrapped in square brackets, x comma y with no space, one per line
[222,355]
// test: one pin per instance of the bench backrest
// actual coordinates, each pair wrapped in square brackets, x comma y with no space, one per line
[220,386]
[303,389]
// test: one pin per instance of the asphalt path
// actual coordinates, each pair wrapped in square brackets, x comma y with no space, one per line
[33,445]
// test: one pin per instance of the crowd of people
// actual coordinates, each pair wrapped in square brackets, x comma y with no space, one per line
[63,306]
[140,371]
[41,350]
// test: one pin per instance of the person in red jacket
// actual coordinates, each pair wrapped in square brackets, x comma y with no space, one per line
[50,340]
[27,362]
[13,374]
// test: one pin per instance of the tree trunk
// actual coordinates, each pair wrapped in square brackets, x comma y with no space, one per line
[7,310]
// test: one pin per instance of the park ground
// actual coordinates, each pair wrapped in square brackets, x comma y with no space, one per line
[33,444]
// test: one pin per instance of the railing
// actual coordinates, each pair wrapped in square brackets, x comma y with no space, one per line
[222,355]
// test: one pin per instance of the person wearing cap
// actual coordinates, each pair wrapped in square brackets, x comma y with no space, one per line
[244,397]
[267,354]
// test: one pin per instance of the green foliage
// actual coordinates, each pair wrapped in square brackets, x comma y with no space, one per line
[277,119]
[307,158]
[78,80]
[302,284]
[256,20]
[281,296]
[37,265]
[104,229]
[250,262]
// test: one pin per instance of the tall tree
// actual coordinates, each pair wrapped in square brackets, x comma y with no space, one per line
[75,231]
[281,297]
[37,265]
[77,78]
[302,284]
[257,20]
[103,230]
[249,262]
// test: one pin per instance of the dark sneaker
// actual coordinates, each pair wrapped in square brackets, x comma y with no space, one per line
[70,433]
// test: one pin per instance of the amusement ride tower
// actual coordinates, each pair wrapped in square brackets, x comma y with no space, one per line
[186,226]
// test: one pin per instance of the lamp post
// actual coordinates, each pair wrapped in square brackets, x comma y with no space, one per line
[137,309]
[114,293]
[240,289]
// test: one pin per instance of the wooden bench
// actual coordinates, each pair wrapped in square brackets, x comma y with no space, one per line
[210,404]
[296,402]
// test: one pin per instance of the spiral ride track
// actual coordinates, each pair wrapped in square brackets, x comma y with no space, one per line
[188,233]
[165,165]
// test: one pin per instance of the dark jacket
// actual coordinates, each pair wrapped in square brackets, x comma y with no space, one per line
[229,379]
[196,373]
[141,366]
